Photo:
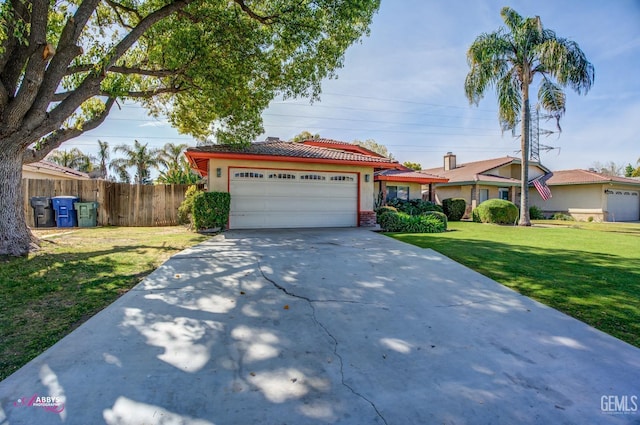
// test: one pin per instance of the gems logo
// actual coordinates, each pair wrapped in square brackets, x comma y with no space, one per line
[619,405]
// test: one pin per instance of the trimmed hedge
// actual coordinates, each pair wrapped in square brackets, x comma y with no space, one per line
[440,216]
[454,208]
[382,210]
[414,206]
[185,210]
[535,213]
[498,211]
[211,210]
[402,222]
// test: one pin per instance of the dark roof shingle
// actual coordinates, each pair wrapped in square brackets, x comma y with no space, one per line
[292,149]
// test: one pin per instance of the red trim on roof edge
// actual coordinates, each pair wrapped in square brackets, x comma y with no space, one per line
[195,156]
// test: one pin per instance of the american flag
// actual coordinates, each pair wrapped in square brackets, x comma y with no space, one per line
[541,186]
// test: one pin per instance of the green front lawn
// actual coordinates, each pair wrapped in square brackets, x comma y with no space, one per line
[77,273]
[590,271]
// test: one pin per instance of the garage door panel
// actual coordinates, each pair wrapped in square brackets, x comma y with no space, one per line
[274,198]
[623,205]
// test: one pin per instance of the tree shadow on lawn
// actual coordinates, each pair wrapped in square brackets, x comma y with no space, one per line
[48,296]
[599,289]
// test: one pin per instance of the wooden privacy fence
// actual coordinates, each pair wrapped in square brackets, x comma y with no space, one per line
[119,204]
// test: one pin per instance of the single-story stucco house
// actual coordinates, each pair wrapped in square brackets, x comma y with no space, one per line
[585,194]
[314,183]
[475,182]
[47,170]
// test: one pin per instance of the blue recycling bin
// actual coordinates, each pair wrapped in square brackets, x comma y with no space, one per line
[65,212]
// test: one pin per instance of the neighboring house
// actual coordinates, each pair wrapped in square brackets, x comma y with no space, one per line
[478,181]
[278,184]
[405,183]
[587,194]
[46,170]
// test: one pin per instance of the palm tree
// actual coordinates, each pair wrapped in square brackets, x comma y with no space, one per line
[510,60]
[170,155]
[140,157]
[119,168]
[103,158]
[73,158]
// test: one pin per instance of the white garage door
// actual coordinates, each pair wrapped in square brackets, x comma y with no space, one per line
[623,205]
[284,199]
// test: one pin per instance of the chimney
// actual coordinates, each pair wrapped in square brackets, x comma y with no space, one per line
[449,161]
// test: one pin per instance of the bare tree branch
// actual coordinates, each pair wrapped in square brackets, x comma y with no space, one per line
[267,20]
[67,51]
[91,85]
[75,69]
[116,9]
[56,138]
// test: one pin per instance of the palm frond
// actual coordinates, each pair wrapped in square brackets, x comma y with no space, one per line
[552,99]
[488,61]
[509,100]
[563,60]
[511,18]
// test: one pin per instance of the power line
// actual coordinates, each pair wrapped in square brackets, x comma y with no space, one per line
[384,111]
[385,131]
[437,105]
[374,121]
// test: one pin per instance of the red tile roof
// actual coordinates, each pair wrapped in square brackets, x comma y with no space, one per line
[565,177]
[349,147]
[278,150]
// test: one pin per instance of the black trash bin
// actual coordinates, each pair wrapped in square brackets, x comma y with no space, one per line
[42,212]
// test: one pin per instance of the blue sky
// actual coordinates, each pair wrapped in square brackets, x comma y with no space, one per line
[403,87]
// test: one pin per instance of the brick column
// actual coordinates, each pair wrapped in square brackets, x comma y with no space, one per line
[367,219]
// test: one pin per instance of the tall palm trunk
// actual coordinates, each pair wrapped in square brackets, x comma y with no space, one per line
[15,237]
[524,168]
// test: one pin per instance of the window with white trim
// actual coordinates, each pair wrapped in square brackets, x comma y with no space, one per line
[503,193]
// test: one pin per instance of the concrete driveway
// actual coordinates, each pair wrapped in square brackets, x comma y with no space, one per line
[319,327]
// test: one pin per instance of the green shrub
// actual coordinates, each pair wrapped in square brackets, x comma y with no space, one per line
[381,210]
[414,206]
[535,213]
[389,221]
[440,216]
[211,210]
[185,210]
[562,216]
[454,208]
[401,222]
[497,211]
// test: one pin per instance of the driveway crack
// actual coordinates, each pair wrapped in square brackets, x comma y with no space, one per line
[329,334]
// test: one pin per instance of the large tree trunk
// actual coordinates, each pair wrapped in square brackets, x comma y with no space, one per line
[524,172]
[15,236]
